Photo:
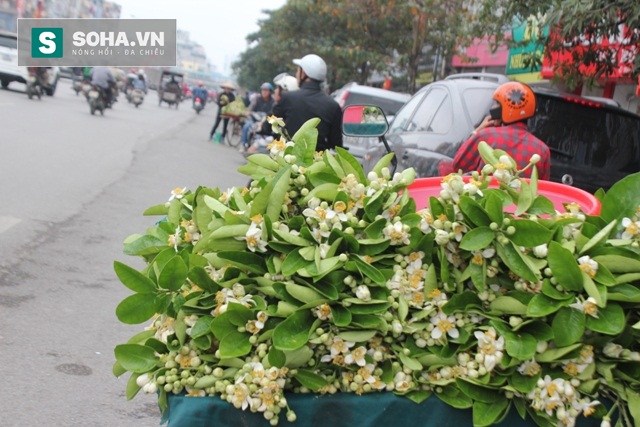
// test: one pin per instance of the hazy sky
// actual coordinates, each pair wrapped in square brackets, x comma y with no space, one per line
[221,26]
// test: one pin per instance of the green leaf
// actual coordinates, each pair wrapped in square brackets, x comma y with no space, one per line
[357,336]
[350,164]
[618,263]
[132,386]
[486,414]
[269,201]
[508,305]
[529,233]
[478,392]
[610,321]
[473,212]
[341,315]
[136,358]
[276,357]
[368,270]
[624,292]
[245,260]
[145,245]
[622,199]
[541,305]
[593,290]
[200,277]
[512,257]
[133,279]
[521,346]
[293,332]
[525,198]
[554,354]
[493,205]
[418,396]
[310,380]
[137,308]
[599,238]
[564,267]
[454,397]
[477,239]
[568,326]
[304,294]
[523,383]
[542,206]
[293,262]
[409,362]
[633,399]
[174,274]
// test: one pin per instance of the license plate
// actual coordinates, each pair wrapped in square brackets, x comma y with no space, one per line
[170,96]
[31,79]
[94,94]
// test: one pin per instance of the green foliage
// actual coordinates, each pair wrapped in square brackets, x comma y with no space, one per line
[321,278]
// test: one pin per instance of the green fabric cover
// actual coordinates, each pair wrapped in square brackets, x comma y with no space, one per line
[339,410]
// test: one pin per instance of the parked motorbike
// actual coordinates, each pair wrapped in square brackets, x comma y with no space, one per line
[136,97]
[97,100]
[197,105]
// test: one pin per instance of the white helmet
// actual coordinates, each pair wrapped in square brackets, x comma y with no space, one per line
[287,82]
[313,66]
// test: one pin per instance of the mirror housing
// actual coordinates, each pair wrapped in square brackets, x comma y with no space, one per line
[364,121]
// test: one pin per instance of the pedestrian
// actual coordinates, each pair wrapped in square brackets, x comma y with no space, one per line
[260,104]
[225,98]
[506,129]
[296,107]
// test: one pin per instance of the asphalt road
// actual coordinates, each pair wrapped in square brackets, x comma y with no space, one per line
[72,188]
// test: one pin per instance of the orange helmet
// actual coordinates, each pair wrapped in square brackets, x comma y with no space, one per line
[517,100]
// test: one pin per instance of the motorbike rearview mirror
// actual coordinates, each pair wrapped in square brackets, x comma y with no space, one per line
[364,120]
[367,121]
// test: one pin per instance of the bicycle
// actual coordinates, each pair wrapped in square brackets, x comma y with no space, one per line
[234,129]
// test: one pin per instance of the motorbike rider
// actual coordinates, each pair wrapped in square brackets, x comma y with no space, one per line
[41,75]
[506,129]
[295,108]
[140,83]
[263,104]
[200,92]
[284,83]
[102,78]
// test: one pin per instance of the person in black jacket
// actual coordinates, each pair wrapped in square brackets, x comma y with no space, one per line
[225,98]
[295,108]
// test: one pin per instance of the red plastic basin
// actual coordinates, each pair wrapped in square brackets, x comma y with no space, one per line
[423,188]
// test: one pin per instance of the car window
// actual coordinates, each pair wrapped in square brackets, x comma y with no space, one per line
[477,102]
[389,106]
[430,108]
[9,42]
[402,120]
[595,137]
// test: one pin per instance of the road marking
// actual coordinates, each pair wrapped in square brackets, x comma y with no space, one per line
[6,222]
[6,104]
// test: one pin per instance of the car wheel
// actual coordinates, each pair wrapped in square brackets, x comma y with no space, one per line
[5,84]
[51,90]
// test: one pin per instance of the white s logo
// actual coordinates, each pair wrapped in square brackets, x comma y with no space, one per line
[46,38]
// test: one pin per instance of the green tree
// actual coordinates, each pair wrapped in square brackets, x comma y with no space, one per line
[576,29]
